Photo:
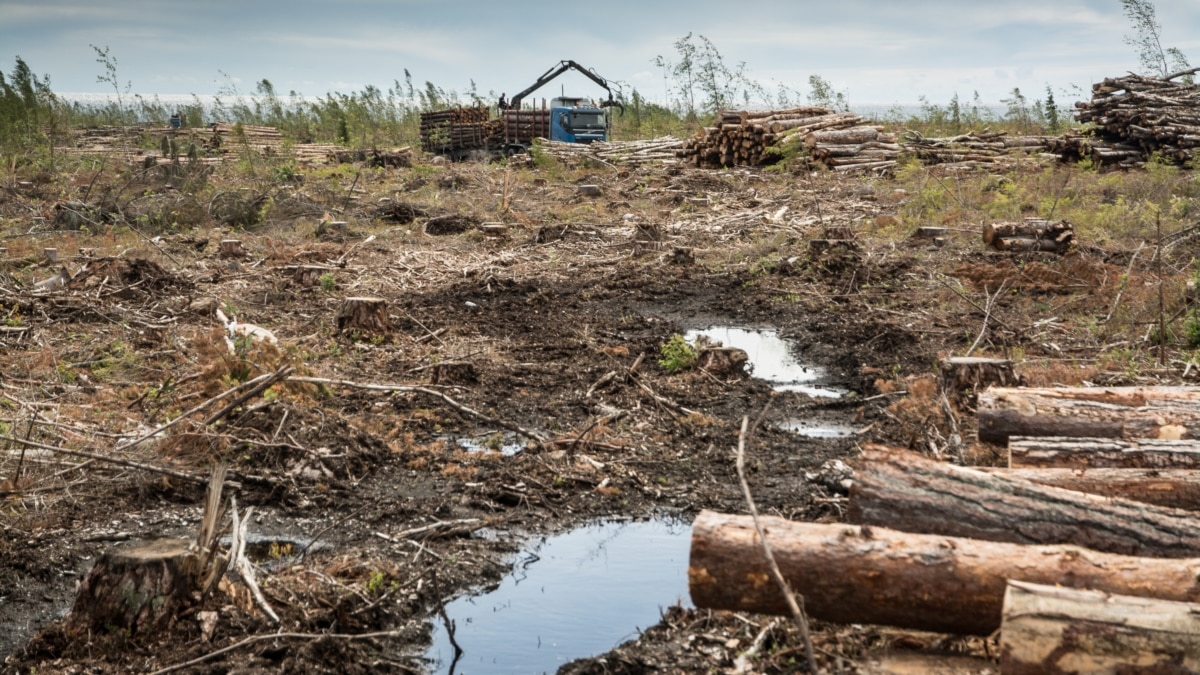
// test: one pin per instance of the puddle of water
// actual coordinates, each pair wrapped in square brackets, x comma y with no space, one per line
[810,429]
[570,596]
[771,359]
[272,551]
[484,445]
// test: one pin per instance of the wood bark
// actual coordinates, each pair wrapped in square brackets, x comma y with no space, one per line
[905,491]
[874,575]
[1170,488]
[136,589]
[364,314]
[1168,413]
[1031,234]
[1055,631]
[1112,453]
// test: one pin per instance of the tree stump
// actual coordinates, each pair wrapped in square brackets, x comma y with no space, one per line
[136,589]
[819,246]
[964,376]
[51,255]
[453,372]
[232,248]
[682,255]
[307,276]
[364,315]
[723,361]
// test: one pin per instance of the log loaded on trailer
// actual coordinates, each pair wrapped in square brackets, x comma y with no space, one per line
[462,132]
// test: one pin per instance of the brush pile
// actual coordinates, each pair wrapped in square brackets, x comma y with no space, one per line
[1136,116]
[660,150]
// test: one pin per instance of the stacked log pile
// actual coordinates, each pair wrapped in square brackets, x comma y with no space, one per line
[660,150]
[743,138]
[1136,116]
[858,148]
[456,128]
[526,125]
[211,144]
[1100,497]
[974,150]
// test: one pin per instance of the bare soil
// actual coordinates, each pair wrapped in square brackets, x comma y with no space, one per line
[537,329]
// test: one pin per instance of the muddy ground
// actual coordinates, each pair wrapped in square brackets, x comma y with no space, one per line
[545,336]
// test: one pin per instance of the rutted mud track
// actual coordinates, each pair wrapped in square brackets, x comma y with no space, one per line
[540,328]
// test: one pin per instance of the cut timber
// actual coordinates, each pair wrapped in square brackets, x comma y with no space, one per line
[905,491]
[874,575]
[1065,630]
[140,588]
[1112,453]
[232,248]
[364,315]
[1171,488]
[969,374]
[1031,234]
[1168,413]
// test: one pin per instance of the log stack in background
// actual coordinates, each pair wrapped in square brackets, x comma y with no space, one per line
[743,137]
[1136,116]
[975,150]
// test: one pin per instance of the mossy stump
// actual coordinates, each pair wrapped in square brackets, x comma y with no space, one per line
[137,589]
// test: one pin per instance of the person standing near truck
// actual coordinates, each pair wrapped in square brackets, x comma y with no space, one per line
[503,104]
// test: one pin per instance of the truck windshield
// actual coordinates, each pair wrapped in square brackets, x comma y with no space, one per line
[587,120]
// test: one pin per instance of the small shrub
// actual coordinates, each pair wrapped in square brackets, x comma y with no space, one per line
[677,355]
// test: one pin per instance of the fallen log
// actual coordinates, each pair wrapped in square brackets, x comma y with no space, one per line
[1054,630]
[873,575]
[1170,488]
[1112,453]
[1168,413]
[905,491]
[1031,234]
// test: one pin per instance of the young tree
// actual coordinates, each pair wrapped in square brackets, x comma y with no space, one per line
[1146,39]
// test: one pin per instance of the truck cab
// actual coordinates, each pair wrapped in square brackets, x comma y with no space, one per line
[573,121]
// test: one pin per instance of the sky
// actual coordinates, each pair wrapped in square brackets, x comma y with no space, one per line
[877,52]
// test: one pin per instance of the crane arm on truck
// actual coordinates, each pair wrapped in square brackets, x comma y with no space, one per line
[561,68]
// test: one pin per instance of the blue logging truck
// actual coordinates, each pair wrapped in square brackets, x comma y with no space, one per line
[465,132]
